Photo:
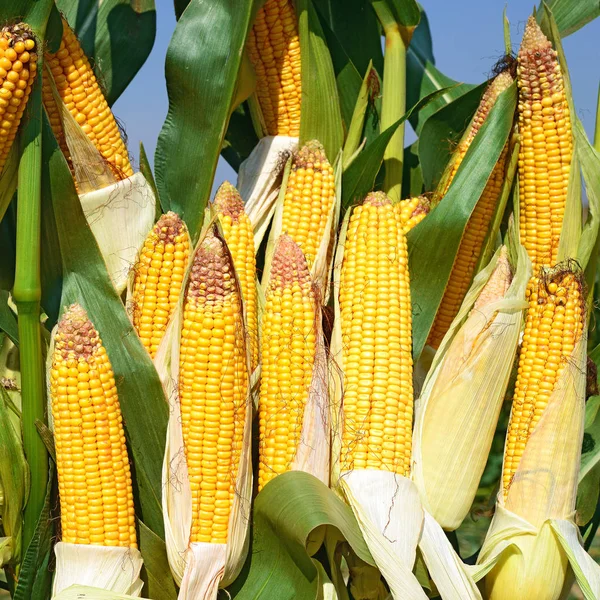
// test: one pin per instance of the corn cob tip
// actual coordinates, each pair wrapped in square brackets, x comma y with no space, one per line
[423,206]
[289,263]
[169,227]
[498,283]
[534,39]
[18,33]
[556,284]
[76,336]
[228,201]
[311,155]
[377,199]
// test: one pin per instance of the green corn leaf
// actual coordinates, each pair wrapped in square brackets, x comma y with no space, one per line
[8,319]
[571,15]
[116,35]
[240,138]
[159,583]
[588,490]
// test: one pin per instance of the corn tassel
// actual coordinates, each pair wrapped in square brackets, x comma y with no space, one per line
[479,222]
[546,146]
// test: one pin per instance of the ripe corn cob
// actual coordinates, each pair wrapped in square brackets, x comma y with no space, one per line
[239,236]
[376,340]
[288,350]
[479,221]
[79,90]
[213,388]
[18,65]
[546,146]
[274,49]
[554,325]
[158,279]
[94,478]
[412,211]
[309,196]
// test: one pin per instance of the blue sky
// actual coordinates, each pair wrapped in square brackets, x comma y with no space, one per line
[467,41]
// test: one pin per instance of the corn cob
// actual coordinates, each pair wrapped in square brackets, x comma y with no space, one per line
[274,49]
[78,88]
[213,388]
[546,146]
[554,325]
[412,211]
[479,221]
[158,279]
[239,236]
[94,478]
[288,351]
[18,65]
[309,196]
[376,340]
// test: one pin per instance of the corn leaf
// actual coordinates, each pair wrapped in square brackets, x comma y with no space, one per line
[240,138]
[86,281]
[441,133]
[159,584]
[571,15]
[451,216]
[8,320]
[34,12]
[321,116]
[290,515]
[116,35]
[202,67]
[589,473]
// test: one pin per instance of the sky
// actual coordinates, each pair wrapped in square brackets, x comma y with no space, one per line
[467,41]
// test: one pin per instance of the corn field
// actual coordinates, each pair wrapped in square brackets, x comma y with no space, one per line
[365,370]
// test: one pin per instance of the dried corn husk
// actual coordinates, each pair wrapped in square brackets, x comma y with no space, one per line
[458,410]
[259,180]
[84,592]
[199,568]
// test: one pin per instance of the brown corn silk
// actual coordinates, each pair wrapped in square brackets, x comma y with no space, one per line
[213,387]
[288,351]
[158,278]
[309,197]
[18,66]
[78,88]
[546,146]
[478,224]
[239,235]
[554,325]
[274,50]
[375,314]
[94,478]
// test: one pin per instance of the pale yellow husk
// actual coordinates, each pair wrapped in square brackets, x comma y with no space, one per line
[110,568]
[259,180]
[120,217]
[199,568]
[84,592]
[458,409]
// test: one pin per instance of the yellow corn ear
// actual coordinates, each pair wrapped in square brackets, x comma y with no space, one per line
[554,325]
[478,225]
[18,66]
[376,341]
[546,146]
[158,279]
[213,387]
[309,196]
[274,50]
[288,351]
[239,236]
[78,88]
[412,211]
[94,478]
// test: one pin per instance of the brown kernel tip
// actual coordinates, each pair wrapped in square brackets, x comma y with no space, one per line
[289,263]
[76,334]
[228,201]
[168,227]
[534,39]
[377,199]
[311,155]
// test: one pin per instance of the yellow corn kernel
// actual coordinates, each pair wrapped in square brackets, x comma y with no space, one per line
[478,224]
[94,478]
[546,147]
[18,66]
[274,50]
[554,325]
[79,90]
[412,211]
[309,196]
[288,351]
[376,341]
[158,279]
[239,236]
[213,388]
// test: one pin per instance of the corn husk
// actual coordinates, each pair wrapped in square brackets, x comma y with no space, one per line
[259,180]
[459,407]
[533,548]
[110,568]
[84,592]
[200,569]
